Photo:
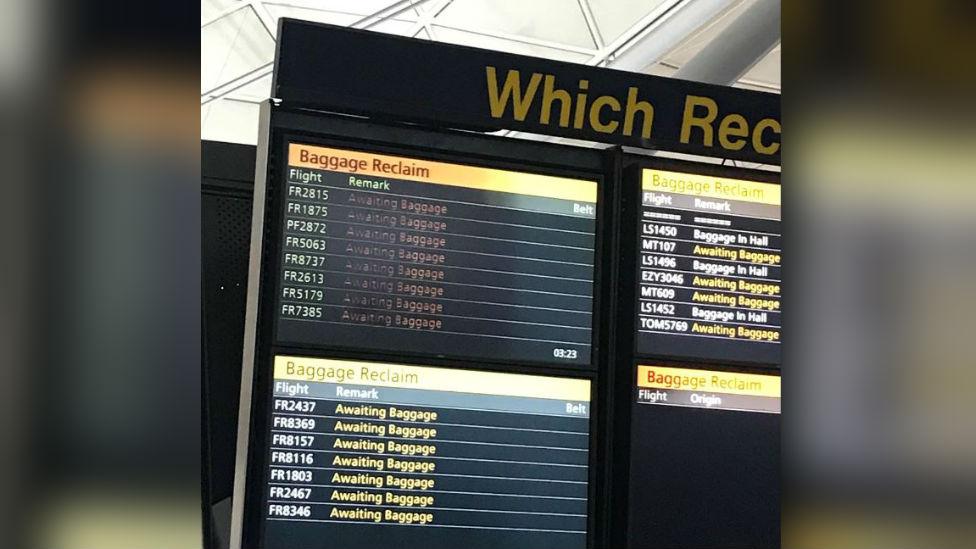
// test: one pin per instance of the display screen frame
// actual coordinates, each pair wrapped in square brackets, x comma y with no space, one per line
[630,219]
[352,133]
[257,463]
[280,199]
[274,229]
[626,359]
[591,435]
[625,431]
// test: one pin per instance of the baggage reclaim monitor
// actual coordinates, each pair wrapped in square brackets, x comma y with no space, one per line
[402,254]
[704,459]
[374,455]
[709,283]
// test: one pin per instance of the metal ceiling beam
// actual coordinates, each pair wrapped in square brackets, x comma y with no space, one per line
[663,31]
[591,25]
[528,40]
[427,17]
[222,13]
[313,5]
[387,13]
[742,44]
[609,50]
[263,70]
[249,77]
[267,20]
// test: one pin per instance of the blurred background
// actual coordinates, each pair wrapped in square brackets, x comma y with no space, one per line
[879,446]
[101,218]
[101,289]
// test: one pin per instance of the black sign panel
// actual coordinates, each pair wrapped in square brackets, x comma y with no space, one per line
[379,75]
[389,253]
[710,257]
[372,455]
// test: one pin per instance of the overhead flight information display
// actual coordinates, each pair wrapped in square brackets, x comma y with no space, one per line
[709,283]
[364,453]
[704,462]
[402,254]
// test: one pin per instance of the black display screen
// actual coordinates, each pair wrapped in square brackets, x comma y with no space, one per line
[392,253]
[709,282]
[704,463]
[376,455]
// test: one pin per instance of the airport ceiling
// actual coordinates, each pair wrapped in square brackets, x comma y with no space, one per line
[238,40]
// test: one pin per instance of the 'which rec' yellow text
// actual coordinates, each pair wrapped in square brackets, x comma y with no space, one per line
[701,123]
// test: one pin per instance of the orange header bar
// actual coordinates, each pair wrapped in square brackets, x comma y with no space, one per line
[733,383]
[440,173]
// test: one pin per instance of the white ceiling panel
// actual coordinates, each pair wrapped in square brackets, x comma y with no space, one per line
[232,47]
[341,18]
[615,17]
[490,42]
[557,21]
